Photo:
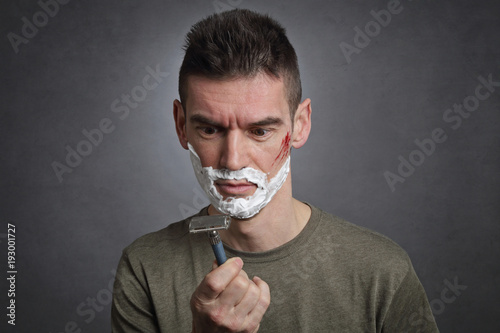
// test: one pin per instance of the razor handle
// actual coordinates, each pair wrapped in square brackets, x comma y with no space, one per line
[217,246]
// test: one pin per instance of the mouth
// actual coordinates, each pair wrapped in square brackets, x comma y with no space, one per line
[235,188]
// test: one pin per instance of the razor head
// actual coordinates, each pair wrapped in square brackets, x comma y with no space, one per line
[209,223]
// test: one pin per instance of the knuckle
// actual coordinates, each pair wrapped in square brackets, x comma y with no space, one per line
[223,319]
[217,316]
[264,301]
[213,284]
[244,274]
[254,291]
[196,304]
[241,282]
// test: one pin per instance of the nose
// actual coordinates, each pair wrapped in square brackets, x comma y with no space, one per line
[234,155]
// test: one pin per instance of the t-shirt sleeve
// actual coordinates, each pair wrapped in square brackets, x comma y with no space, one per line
[132,309]
[410,310]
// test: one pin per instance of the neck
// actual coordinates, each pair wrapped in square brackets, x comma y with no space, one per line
[276,224]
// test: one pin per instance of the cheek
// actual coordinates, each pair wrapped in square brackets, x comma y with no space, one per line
[284,149]
[209,161]
[208,157]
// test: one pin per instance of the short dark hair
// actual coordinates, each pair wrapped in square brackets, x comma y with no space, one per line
[240,44]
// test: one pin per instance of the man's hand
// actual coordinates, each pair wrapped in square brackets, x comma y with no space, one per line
[228,301]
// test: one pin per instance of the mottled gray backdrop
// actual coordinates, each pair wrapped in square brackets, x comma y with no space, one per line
[405,141]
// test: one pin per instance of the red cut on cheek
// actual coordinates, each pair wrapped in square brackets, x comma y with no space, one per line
[284,150]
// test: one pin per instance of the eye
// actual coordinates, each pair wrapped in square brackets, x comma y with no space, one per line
[260,132]
[208,130]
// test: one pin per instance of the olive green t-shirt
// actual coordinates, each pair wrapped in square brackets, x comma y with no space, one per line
[333,277]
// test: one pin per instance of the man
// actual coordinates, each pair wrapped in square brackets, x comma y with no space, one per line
[291,266]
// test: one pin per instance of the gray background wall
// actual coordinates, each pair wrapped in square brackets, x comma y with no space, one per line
[368,111]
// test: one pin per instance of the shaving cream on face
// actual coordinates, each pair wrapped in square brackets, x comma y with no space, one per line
[240,208]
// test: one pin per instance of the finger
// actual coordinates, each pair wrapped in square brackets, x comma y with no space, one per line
[244,274]
[217,280]
[248,301]
[255,316]
[235,290]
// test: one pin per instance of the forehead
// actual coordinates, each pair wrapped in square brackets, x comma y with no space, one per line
[261,95]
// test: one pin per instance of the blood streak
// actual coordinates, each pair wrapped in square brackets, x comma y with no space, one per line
[285,148]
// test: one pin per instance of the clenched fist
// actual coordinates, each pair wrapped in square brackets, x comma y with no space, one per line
[228,301]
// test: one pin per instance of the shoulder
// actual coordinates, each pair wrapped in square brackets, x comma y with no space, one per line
[166,241]
[361,248]
[172,232]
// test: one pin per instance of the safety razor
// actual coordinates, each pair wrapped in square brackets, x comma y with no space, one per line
[210,225]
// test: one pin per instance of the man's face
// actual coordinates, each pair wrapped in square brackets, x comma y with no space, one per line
[238,123]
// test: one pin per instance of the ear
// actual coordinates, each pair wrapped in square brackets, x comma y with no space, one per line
[302,124]
[180,123]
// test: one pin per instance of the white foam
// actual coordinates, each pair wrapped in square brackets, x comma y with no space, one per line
[241,208]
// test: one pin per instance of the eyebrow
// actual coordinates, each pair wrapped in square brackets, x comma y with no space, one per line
[267,121]
[198,118]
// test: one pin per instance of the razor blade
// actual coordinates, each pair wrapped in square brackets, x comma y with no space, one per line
[210,225]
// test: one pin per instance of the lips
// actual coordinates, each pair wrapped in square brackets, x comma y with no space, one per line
[235,188]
